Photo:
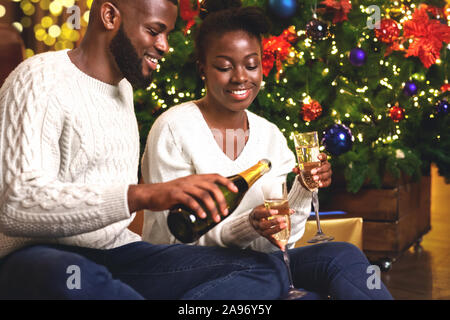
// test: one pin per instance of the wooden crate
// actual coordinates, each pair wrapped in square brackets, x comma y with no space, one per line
[394,218]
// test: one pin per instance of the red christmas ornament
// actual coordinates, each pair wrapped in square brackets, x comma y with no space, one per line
[388,32]
[188,13]
[445,87]
[311,110]
[397,113]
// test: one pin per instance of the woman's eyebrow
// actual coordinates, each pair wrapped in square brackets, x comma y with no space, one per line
[247,56]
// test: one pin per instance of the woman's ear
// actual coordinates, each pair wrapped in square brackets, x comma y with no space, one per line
[110,16]
[200,70]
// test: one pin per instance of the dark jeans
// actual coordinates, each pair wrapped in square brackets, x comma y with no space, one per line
[336,269]
[140,271]
[144,271]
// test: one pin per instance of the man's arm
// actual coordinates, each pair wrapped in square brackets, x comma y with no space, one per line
[36,198]
[189,191]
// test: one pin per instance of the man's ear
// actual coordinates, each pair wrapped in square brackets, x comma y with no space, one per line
[110,16]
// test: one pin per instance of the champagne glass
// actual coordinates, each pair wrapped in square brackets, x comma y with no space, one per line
[275,197]
[307,148]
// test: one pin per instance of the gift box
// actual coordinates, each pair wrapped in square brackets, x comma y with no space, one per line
[342,229]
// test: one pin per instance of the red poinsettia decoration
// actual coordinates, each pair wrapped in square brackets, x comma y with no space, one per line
[340,8]
[276,49]
[428,36]
[189,13]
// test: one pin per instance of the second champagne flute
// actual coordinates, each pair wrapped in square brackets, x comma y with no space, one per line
[307,149]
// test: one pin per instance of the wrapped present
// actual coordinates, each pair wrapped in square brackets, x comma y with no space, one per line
[345,229]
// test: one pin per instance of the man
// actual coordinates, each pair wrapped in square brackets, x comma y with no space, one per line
[70,150]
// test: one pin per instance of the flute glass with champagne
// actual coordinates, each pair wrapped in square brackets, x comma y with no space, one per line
[275,197]
[307,149]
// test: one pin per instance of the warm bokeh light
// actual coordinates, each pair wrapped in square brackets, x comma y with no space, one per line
[54,31]
[50,23]
[2,11]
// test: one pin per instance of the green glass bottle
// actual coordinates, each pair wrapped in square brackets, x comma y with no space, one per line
[187,227]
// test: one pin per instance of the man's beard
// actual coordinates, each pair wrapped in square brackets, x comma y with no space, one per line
[128,60]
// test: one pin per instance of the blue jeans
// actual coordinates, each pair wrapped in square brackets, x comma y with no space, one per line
[141,271]
[144,271]
[335,269]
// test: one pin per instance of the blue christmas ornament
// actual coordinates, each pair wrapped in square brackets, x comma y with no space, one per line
[410,88]
[283,8]
[358,57]
[337,139]
[442,107]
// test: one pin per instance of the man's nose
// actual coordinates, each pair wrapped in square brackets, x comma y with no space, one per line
[162,44]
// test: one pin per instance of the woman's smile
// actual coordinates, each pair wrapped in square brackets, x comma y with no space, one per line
[239,95]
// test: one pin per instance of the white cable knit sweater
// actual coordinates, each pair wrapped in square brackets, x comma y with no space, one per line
[69,147]
[180,143]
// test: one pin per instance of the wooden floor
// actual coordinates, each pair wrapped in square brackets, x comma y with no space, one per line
[425,274]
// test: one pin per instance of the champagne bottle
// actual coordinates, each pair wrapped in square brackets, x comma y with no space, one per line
[187,227]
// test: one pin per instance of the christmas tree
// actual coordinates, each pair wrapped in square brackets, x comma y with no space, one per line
[370,76]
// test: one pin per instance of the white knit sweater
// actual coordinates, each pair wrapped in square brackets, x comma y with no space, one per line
[69,147]
[180,143]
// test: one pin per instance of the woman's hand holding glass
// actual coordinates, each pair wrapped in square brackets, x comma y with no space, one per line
[322,174]
[277,208]
[259,218]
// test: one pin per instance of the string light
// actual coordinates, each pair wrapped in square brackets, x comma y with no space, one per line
[360,137]
[362,90]
[2,10]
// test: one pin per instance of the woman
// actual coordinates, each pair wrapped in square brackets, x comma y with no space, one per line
[218,134]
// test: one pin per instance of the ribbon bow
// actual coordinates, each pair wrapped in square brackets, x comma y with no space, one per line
[189,13]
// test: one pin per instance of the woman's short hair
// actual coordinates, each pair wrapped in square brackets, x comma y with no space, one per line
[222,16]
